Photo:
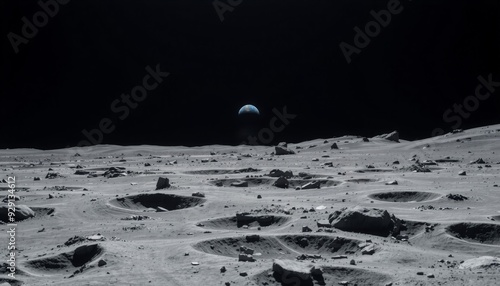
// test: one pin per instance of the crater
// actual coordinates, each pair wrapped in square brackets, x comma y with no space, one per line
[281,247]
[222,171]
[321,244]
[252,221]
[72,260]
[156,202]
[268,247]
[404,197]
[476,232]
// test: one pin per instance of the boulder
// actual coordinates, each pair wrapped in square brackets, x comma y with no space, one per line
[252,238]
[245,257]
[368,221]
[283,144]
[334,146]
[281,182]
[291,270]
[283,151]
[81,172]
[162,183]
[483,262]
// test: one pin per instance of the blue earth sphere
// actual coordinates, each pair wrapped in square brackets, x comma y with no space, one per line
[248,110]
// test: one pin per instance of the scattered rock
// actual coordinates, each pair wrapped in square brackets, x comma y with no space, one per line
[53,175]
[115,172]
[457,197]
[278,173]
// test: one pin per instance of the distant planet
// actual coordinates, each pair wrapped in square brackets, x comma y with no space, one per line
[248,110]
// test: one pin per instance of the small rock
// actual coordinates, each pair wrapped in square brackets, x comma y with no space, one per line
[306,229]
[101,263]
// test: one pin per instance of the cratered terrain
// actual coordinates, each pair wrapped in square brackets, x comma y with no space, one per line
[337,211]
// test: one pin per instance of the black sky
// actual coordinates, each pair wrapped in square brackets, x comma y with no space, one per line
[270,53]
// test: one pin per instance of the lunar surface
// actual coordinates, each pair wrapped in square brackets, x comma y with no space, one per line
[336,211]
